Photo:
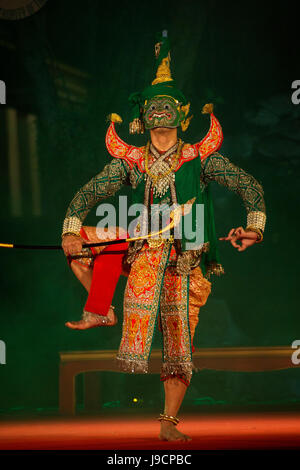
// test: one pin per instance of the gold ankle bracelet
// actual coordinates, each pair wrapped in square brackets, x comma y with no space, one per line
[171,419]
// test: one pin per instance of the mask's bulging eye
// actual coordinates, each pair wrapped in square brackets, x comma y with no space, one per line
[152,107]
[167,107]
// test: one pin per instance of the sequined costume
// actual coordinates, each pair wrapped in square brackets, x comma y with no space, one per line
[168,279]
[143,287]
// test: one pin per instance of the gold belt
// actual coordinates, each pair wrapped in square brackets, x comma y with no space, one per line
[157,242]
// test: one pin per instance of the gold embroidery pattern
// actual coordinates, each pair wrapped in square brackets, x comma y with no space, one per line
[199,290]
[136,155]
[174,333]
[119,149]
[172,283]
[105,184]
[214,268]
[133,326]
[143,304]
[144,321]
[174,315]
[172,305]
[213,139]
[190,259]
[143,279]
[135,176]
[220,169]
[116,146]
[257,220]
[189,152]
[177,354]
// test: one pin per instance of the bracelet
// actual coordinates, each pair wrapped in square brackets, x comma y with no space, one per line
[256,219]
[171,419]
[71,225]
[76,234]
[256,230]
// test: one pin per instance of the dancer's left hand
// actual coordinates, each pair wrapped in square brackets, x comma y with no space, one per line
[246,238]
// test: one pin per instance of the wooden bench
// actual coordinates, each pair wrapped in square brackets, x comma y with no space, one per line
[239,359]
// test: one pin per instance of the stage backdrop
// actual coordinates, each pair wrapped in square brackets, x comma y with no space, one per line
[69,65]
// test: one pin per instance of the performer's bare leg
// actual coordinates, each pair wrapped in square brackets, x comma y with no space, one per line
[174,394]
[84,275]
[175,389]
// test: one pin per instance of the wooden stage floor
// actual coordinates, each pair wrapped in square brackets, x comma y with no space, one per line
[268,430]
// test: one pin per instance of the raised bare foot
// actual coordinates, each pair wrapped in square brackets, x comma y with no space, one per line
[93,320]
[168,432]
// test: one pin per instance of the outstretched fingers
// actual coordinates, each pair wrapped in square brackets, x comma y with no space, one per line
[230,234]
[234,235]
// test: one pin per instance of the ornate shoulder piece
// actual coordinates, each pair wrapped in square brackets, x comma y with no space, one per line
[214,138]
[189,152]
[118,148]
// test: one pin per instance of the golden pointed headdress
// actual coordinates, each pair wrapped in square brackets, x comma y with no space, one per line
[163,73]
[162,85]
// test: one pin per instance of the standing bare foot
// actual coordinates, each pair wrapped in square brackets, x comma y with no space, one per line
[93,320]
[168,432]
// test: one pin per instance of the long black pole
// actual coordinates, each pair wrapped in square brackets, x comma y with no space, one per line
[59,247]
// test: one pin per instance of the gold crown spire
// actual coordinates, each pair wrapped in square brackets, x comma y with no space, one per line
[163,73]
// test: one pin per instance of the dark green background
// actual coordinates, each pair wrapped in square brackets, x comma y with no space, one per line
[241,56]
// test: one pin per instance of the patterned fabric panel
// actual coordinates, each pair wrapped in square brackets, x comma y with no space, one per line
[115,145]
[220,169]
[119,149]
[213,139]
[103,185]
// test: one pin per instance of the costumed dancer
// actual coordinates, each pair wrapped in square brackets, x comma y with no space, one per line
[167,281]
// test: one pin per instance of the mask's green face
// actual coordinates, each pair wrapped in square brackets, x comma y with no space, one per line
[162,111]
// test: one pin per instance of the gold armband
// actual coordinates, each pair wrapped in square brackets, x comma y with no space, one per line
[256,219]
[71,226]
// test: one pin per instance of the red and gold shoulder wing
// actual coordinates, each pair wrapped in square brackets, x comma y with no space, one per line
[119,149]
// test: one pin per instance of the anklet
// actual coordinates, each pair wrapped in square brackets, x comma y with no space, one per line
[100,319]
[171,419]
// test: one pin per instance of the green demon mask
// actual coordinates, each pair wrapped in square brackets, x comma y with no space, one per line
[162,111]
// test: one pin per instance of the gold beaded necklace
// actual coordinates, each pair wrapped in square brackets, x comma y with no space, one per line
[154,177]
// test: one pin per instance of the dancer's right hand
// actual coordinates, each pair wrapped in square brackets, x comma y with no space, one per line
[72,244]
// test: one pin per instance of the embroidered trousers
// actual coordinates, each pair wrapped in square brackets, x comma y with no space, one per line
[155,293]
